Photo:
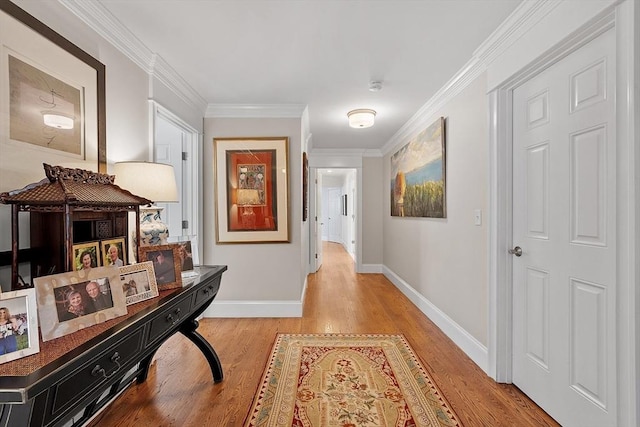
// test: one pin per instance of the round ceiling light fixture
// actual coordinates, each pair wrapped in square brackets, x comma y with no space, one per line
[361,118]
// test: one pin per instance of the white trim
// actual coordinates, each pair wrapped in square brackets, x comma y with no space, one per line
[463,339]
[255,110]
[527,14]
[254,309]
[105,24]
[372,268]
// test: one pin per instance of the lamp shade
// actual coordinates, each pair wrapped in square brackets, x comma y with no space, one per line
[154,181]
[361,118]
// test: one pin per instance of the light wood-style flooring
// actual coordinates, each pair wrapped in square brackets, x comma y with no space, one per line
[180,392]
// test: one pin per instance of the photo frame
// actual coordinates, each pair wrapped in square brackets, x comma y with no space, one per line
[65,304]
[18,325]
[188,252]
[166,264]
[81,254]
[62,86]
[418,175]
[114,252]
[138,282]
[252,190]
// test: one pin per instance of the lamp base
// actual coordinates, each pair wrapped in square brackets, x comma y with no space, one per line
[152,230]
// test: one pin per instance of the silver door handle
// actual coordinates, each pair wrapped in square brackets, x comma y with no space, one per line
[517,251]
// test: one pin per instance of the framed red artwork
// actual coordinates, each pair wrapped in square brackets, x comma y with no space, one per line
[251,190]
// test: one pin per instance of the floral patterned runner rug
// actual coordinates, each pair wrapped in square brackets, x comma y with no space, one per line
[347,381]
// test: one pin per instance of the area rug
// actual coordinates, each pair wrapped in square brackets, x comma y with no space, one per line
[347,381]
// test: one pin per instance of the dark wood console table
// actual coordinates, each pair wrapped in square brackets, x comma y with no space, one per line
[74,376]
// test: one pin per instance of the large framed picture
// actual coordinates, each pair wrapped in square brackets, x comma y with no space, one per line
[86,256]
[114,252]
[68,302]
[138,282]
[418,175]
[252,190]
[166,264]
[52,101]
[18,325]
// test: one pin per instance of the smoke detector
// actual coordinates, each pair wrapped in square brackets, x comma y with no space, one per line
[375,86]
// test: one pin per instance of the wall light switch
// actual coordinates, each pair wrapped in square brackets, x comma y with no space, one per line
[477,217]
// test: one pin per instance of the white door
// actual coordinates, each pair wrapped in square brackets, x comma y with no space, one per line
[318,219]
[333,216]
[564,220]
[168,148]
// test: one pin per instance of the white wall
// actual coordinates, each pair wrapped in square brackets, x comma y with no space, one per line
[374,191]
[445,260]
[262,279]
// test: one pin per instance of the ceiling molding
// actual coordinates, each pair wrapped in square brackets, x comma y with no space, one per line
[105,24]
[526,15]
[255,110]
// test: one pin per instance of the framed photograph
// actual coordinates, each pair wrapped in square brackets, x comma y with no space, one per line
[166,264]
[252,190]
[418,178]
[86,256]
[114,252]
[52,101]
[138,282]
[68,302]
[18,325]
[188,253]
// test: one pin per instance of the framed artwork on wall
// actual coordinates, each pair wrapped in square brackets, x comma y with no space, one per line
[252,188]
[52,101]
[418,175]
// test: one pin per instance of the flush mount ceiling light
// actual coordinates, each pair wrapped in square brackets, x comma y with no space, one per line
[57,120]
[361,118]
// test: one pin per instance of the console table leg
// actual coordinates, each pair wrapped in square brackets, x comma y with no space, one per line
[188,329]
[144,368]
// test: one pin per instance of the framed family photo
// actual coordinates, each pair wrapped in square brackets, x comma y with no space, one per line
[18,325]
[52,101]
[252,190]
[114,252]
[188,251]
[68,302]
[166,264]
[86,256]
[138,282]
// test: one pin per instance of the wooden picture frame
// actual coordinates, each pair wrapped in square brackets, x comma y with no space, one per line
[19,328]
[80,252]
[47,65]
[138,282]
[166,264]
[64,304]
[418,175]
[107,248]
[252,190]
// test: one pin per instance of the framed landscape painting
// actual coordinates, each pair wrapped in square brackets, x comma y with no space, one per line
[252,188]
[418,178]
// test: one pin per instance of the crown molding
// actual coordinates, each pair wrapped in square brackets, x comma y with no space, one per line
[525,16]
[255,110]
[98,18]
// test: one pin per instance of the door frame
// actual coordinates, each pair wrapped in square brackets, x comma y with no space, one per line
[622,17]
[192,167]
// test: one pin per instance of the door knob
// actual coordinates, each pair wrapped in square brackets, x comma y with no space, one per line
[517,251]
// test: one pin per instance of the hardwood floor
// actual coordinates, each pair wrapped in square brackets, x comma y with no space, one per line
[180,392]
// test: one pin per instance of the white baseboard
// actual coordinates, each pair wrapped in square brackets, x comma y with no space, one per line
[371,268]
[463,339]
